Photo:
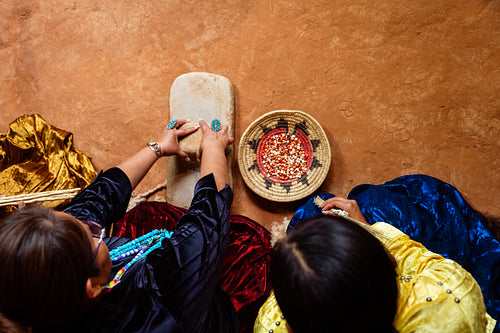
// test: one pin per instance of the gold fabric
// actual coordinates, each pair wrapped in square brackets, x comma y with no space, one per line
[436,295]
[36,157]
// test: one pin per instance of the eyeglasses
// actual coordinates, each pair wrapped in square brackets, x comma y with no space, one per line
[103,232]
[97,231]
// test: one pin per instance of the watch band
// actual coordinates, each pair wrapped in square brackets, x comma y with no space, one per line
[155,147]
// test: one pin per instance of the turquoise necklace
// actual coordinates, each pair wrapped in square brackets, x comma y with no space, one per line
[140,247]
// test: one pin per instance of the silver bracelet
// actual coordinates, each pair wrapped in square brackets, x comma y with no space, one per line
[155,147]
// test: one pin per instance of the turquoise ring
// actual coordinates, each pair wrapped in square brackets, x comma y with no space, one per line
[216,125]
[171,124]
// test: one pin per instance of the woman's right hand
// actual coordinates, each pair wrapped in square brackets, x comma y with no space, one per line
[213,153]
[214,139]
[350,206]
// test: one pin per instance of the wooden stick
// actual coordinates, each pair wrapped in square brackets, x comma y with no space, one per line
[39,196]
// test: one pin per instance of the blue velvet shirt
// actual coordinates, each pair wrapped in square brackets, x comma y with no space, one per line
[435,214]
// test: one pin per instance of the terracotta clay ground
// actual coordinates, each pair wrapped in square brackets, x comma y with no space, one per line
[400,87]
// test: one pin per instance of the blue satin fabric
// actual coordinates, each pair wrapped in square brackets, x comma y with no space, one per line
[435,214]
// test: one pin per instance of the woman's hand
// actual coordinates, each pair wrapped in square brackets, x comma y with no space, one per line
[168,140]
[214,139]
[213,153]
[138,165]
[350,206]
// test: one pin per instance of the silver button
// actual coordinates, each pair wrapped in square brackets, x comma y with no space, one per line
[271,330]
[282,316]
[440,283]
[278,323]
[428,299]
[457,300]
[448,291]
[402,277]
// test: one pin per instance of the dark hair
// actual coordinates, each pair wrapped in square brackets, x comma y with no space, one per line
[331,275]
[9,326]
[45,261]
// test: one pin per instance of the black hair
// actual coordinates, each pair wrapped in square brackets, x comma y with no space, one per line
[45,260]
[10,326]
[331,275]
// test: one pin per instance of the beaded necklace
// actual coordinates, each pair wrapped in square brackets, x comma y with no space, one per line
[140,247]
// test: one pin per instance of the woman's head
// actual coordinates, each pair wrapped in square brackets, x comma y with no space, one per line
[45,260]
[331,274]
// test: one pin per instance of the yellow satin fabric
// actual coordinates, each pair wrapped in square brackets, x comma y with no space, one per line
[269,314]
[435,294]
[424,303]
[36,157]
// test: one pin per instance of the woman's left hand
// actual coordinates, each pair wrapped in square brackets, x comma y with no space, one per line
[350,206]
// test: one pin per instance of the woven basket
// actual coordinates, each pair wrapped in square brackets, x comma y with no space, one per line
[314,142]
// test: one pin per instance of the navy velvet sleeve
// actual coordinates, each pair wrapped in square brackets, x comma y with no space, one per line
[187,266]
[105,200]
[174,289]
[182,275]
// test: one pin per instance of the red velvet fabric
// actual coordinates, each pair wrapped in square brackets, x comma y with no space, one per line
[245,272]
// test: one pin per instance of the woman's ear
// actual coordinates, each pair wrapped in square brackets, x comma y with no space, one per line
[93,290]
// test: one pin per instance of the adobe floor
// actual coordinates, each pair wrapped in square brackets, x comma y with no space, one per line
[400,87]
